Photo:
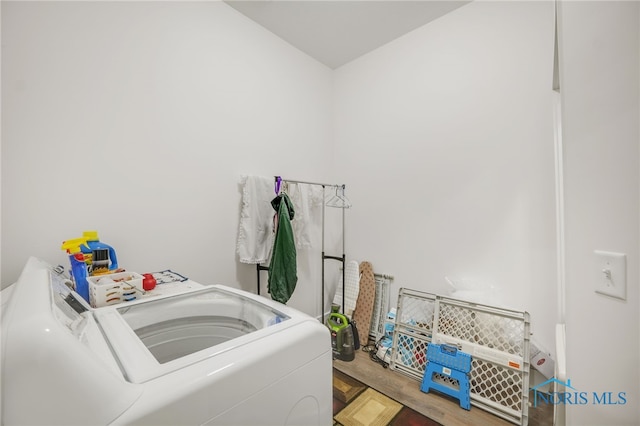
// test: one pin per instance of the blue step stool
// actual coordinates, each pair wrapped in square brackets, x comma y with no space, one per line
[448,361]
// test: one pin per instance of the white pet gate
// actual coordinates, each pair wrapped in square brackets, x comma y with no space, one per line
[497,340]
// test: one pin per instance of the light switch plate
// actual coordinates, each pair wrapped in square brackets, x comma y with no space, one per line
[611,274]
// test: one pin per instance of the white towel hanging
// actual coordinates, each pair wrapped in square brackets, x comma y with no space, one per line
[255,233]
[306,199]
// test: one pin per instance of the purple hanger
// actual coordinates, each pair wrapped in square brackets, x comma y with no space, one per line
[278,182]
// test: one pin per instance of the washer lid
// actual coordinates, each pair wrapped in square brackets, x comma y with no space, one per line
[54,356]
[157,336]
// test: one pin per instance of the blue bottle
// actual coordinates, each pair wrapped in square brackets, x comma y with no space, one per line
[94,243]
[78,271]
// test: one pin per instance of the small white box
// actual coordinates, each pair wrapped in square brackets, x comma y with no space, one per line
[541,360]
[111,289]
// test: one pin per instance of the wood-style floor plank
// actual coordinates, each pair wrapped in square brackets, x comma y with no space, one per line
[438,407]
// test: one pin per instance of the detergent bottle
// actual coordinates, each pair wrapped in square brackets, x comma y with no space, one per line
[94,245]
[78,271]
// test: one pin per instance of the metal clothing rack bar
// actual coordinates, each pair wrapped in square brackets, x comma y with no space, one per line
[259,268]
[324,256]
[309,183]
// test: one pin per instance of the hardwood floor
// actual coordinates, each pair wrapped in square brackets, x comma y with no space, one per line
[438,407]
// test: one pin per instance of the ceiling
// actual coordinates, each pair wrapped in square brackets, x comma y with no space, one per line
[338,31]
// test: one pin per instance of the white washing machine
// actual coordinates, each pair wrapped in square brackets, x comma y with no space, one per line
[210,355]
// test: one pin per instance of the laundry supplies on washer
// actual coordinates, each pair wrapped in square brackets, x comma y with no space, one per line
[78,268]
[99,256]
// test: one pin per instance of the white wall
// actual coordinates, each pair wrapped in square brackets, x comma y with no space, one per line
[599,70]
[138,118]
[445,137]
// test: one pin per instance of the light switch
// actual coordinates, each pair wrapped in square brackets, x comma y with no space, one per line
[611,274]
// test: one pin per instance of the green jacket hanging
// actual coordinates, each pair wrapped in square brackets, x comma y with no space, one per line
[283,266]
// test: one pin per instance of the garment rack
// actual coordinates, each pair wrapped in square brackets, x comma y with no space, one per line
[324,255]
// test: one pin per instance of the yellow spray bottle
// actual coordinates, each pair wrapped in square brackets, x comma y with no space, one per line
[79,272]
